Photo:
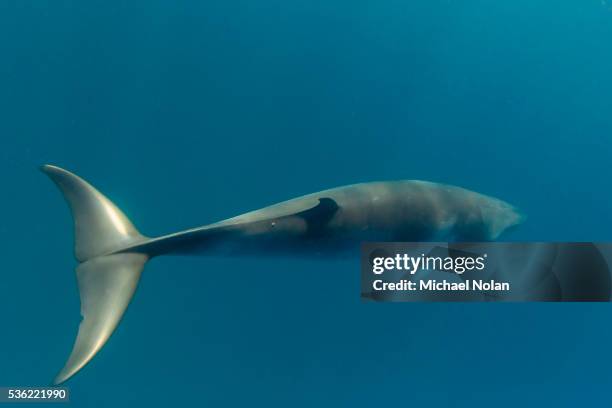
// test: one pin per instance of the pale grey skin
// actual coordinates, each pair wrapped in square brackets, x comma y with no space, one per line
[112,252]
[334,221]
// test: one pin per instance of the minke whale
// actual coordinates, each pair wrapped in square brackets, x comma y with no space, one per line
[112,253]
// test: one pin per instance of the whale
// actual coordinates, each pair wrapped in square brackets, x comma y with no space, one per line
[111,252]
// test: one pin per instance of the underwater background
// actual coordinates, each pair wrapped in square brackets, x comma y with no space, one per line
[187,112]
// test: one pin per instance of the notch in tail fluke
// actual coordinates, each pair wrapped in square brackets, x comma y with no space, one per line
[107,279]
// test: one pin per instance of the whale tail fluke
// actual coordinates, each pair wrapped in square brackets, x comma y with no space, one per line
[106,279]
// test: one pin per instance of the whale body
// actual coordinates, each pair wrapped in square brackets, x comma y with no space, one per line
[112,252]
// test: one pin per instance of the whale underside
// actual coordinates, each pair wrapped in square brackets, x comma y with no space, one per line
[329,223]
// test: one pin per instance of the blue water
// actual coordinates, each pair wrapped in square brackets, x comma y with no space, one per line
[186,112]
